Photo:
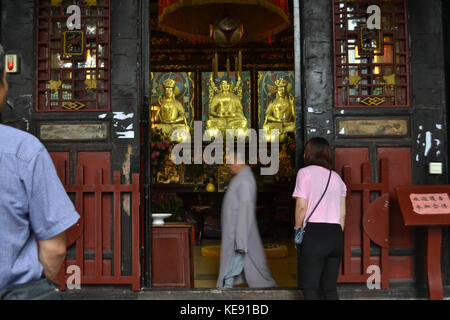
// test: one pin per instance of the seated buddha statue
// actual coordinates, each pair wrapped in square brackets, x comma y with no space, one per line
[168,173]
[226,111]
[280,113]
[171,115]
[287,170]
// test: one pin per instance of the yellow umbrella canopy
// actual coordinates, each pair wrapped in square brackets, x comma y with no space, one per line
[193,19]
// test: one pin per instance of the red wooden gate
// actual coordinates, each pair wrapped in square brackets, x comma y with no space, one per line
[92,199]
[370,220]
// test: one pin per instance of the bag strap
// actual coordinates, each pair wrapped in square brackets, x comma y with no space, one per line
[326,188]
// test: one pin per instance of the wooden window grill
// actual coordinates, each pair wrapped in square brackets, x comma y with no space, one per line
[371,67]
[73,67]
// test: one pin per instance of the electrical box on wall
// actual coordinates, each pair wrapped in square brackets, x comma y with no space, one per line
[435,168]
[11,63]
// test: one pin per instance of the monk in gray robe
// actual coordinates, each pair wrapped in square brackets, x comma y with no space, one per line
[242,257]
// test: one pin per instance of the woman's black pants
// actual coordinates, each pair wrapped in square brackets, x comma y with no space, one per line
[319,258]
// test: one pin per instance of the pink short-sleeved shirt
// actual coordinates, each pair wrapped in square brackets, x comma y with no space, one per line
[310,184]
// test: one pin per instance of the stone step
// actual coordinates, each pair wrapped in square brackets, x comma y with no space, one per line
[397,291]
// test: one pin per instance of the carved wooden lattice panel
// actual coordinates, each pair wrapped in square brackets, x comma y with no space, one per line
[78,79]
[371,66]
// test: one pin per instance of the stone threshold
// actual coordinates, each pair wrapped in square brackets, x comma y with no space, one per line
[397,291]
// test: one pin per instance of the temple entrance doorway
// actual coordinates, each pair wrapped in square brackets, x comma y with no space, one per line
[248,87]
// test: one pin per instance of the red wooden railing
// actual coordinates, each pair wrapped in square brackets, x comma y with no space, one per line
[372,223]
[101,269]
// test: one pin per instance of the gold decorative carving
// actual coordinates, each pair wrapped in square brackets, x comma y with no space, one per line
[91,3]
[354,80]
[75,106]
[390,80]
[56,3]
[90,84]
[55,85]
[373,101]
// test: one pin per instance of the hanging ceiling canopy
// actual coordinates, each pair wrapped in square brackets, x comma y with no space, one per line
[192,19]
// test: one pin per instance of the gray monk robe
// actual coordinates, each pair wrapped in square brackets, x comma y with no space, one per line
[240,232]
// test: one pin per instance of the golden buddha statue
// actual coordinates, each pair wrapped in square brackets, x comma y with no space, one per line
[225,109]
[280,113]
[168,173]
[171,115]
[287,170]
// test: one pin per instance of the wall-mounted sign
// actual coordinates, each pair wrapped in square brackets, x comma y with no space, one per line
[73,43]
[93,131]
[372,127]
[430,203]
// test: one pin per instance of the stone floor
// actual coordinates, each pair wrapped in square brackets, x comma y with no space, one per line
[206,269]
[283,271]
[397,291]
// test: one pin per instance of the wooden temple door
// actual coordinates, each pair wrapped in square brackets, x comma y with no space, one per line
[87,117]
[359,100]
[371,139]
[99,244]
[375,238]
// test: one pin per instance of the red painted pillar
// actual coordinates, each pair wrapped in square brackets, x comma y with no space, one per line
[433,263]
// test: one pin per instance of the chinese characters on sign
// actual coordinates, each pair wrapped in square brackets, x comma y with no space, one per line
[433,203]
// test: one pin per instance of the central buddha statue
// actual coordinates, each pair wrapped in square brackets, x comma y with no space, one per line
[171,115]
[225,110]
[280,113]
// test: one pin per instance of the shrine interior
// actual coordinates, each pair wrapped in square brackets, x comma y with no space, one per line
[195,190]
[112,99]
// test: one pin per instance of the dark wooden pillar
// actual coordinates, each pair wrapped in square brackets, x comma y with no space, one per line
[446,41]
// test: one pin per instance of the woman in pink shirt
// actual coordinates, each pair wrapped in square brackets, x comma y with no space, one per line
[323,245]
